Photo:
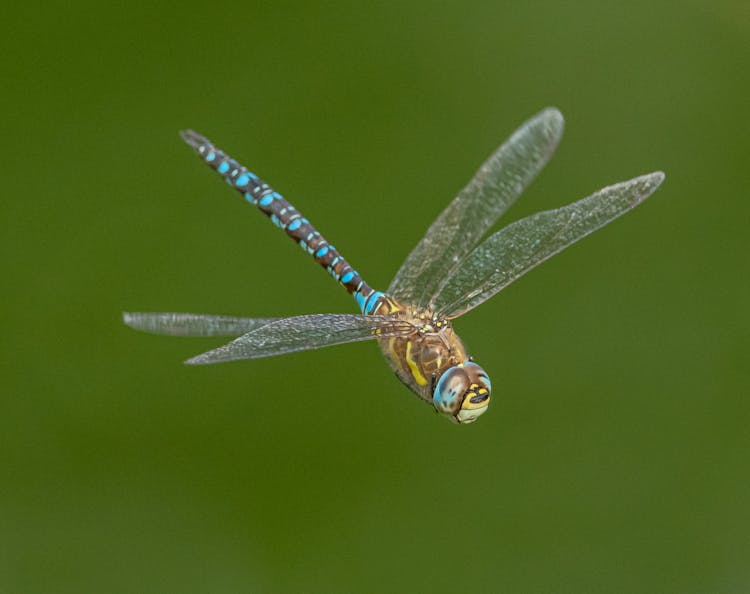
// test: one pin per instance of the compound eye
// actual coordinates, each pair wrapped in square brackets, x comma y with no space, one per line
[477,397]
[450,389]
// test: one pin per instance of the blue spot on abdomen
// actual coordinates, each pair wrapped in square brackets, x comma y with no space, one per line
[371,301]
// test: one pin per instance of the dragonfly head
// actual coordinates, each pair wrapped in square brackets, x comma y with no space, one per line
[462,392]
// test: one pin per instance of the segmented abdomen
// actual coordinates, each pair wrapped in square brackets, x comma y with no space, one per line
[286,217]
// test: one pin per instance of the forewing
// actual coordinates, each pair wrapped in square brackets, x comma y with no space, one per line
[301,333]
[496,185]
[188,324]
[519,247]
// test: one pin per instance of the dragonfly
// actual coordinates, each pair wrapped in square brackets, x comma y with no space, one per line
[451,271]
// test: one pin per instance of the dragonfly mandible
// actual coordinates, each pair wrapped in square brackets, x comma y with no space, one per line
[449,272]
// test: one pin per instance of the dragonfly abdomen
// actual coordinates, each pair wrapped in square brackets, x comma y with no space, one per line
[287,218]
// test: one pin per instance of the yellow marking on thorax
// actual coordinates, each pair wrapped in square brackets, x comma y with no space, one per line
[387,306]
[391,347]
[418,377]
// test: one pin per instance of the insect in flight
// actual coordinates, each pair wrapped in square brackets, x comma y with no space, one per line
[447,274]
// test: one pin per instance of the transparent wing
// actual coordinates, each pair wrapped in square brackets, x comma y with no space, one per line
[301,333]
[188,324]
[496,185]
[514,250]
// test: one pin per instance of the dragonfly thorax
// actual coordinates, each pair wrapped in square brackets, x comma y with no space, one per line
[433,363]
[428,322]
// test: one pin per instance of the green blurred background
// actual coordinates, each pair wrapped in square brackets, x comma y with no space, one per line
[615,454]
